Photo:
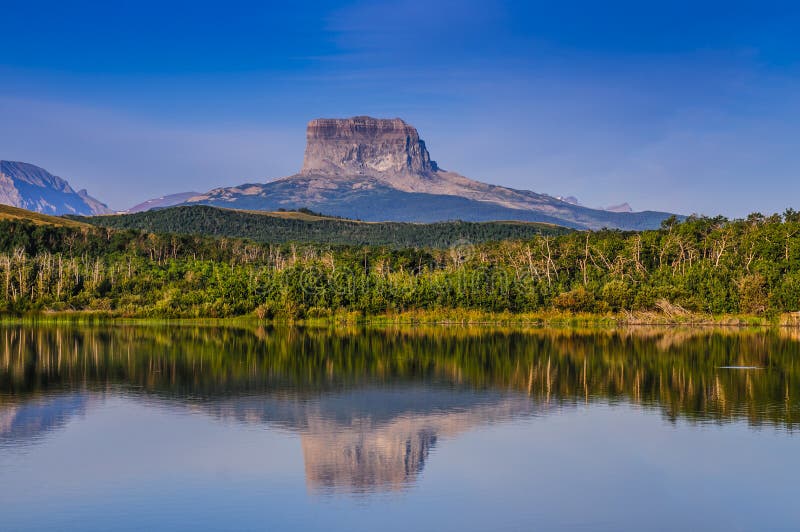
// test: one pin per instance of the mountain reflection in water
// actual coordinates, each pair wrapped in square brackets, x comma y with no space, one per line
[370,405]
[30,420]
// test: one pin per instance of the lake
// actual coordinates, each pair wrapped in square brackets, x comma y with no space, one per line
[415,428]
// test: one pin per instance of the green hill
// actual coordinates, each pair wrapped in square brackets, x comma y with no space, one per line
[9,213]
[282,227]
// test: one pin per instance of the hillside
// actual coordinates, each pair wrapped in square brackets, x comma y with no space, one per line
[8,213]
[380,169]
[29,187]
[280,227]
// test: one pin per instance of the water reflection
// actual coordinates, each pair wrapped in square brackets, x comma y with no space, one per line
[371,405]
[373,438]
[26,421]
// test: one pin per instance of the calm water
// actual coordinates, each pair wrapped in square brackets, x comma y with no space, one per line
[192,428]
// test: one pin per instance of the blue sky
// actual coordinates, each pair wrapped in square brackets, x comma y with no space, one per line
[679,106]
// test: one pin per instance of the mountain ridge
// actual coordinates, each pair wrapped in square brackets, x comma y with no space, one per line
[33,188]
[161,202]
[380,170]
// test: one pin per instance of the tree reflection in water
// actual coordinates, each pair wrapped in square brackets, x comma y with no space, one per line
[370,404]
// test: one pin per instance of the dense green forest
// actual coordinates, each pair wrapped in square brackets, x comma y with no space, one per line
[305,226]
[706,265]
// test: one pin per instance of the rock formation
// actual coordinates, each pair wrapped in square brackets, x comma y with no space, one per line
[364,146]
[30,187]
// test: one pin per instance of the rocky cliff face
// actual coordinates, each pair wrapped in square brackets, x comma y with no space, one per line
[30,187]
[364,146]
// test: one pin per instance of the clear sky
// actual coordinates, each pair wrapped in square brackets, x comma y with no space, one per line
[679,106]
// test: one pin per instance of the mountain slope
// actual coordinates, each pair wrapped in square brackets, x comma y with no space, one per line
[164,201]
[377,169]
[30,187]
[373,201]
[622,207]
[8,213]
[280,227]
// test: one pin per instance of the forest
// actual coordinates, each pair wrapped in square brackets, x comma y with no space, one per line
[712,266]
[307,226]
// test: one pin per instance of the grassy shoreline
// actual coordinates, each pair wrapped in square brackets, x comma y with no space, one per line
[435,317]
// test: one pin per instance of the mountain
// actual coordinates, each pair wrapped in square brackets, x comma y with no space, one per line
[622,207]
[380,169]
[278,227]
[163,201]
[30,187]
[569,199]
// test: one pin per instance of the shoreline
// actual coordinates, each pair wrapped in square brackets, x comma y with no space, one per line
[452,317]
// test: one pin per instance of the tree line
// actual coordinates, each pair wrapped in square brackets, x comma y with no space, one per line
[316,228]
[708,265]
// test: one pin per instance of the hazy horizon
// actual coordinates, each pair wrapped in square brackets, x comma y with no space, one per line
[680,108]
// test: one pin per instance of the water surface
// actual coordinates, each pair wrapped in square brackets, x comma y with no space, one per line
[187,428]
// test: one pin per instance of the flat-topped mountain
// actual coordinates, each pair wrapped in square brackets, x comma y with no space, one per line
[380,169]
[364,146]
[30,187]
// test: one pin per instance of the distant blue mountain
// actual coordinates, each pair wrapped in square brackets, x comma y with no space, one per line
[30,187]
